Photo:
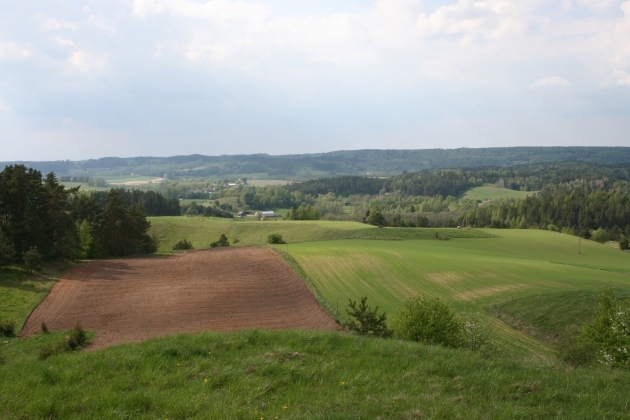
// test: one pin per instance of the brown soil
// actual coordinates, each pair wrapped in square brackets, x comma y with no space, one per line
[224,289]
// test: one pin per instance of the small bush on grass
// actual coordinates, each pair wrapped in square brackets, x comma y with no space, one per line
[365,321]
[182,245]
[223,241]
[275,238]
[429,321]
[476,333]
[7,328]
[44,328]
[75,340]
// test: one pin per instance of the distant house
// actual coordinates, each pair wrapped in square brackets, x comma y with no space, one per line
[265,214]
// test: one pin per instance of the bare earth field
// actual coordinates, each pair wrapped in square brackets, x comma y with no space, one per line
[224,289]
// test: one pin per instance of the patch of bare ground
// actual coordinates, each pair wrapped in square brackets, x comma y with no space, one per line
[224,289]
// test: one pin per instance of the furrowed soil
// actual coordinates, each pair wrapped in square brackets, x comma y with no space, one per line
[224,289]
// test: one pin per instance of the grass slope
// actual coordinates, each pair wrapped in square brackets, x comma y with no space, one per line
[296,375]
[552,317]
[21,292]
[203,231]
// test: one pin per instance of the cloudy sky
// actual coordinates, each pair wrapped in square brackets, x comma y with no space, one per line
[94,78]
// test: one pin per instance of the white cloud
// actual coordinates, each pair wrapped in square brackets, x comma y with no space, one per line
[4,107]
[10,50]
[85,62]
[64,41]
[103,23]
[550,81]
[51,24]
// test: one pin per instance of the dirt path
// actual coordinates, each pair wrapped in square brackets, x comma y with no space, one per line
[225,289]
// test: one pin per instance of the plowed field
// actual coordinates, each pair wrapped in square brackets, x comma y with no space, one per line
[225,289]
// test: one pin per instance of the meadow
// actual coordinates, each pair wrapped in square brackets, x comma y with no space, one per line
[202,231]
[494,193]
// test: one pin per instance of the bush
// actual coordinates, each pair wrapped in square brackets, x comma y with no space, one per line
[7,328]
[75,340]
[44,327]
[476,333]
[428,321]
[223,241]
[181,245]
[600,235]
[609,333]
[46,351]
[32,259]
[366,321]
[624,244]
[275,238]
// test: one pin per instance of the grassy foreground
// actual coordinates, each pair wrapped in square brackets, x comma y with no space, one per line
[295,375]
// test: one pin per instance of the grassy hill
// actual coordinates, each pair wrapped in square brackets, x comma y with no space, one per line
[296,375]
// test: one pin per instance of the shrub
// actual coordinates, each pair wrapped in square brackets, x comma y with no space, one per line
[366,321]
[624,244]
[476,333]
[429,321]
[181,245]
[223,241]
[7,328]
[275,238]
[609,333]
[600,235]
[44,328]
[32,259]
[46,351]
[75,340]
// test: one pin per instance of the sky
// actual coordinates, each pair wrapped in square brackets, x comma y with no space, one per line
[94,78]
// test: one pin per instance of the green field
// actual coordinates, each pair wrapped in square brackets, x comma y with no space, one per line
[264,182]
[202,231]
[494,193]
[128,178]
[469,274]
[84,187]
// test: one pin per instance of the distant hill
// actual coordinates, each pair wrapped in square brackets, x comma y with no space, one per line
[348,162]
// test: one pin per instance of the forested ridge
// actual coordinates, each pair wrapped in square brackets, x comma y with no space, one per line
[317,165]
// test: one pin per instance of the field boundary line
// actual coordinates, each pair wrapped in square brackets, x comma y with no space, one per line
[287,258]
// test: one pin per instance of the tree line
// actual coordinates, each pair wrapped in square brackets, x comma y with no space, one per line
[38,213]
